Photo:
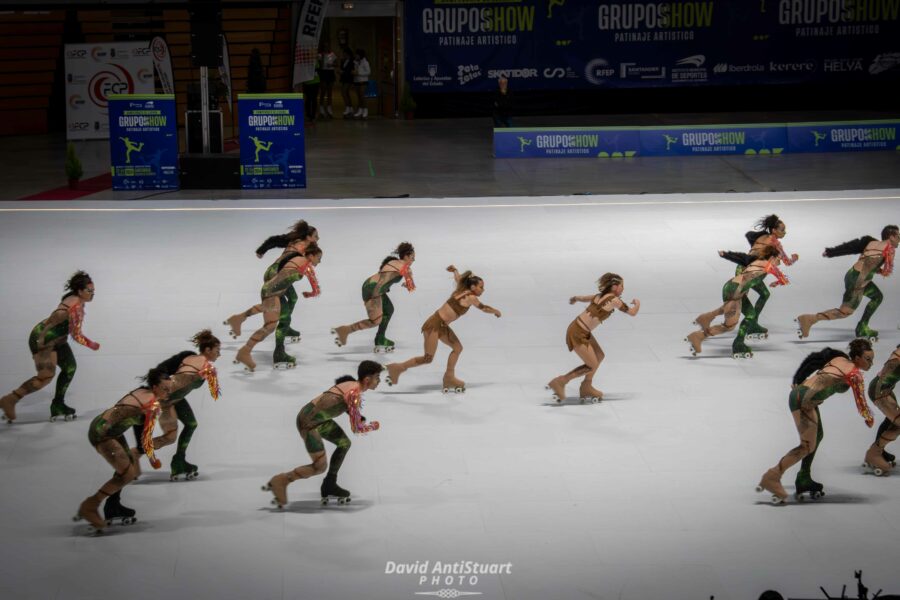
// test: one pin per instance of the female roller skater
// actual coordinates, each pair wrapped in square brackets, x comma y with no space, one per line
[875,256]
[374,295]
[468,288]
[821,374]
[581,341]
[768,231]
[733,293]
[315,421]
[187,371]
[292,268]
[296,240]
[107,434]
[50,348]
[881,393]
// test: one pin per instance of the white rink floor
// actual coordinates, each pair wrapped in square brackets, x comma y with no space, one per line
[649,494]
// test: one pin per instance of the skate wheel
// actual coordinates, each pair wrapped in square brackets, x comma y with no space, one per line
[294,339]
[446,390]
[76,518]
[266,488]
[173,477]
[192,475]
[388,379]
[129,521]
[53,419]
[460,390]
[71,417]
[759,489]
[777,500]
[324,501]
[274,502]
[878,471]
[343,500]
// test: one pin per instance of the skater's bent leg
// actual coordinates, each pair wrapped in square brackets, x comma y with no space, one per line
[189,422]
[116,453]
[806,464]
[875,297]
[763,290]
[387,308]
[65,359]
[316,449]
[807,426]
[168,422]
[430,347]
[45,363]
[332,432]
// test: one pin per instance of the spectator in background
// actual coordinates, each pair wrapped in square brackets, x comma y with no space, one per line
[361,81]
[347,80]
[327,61]
[311,94]
[502,104]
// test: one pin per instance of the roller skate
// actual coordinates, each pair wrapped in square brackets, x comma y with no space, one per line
[384,345]
[755,331]
[180,466]
[558,387]
[340,335]
[331,490]
[875,462]
[58,408]
[234,323]
[113,511]
[804,484]
[452,384]
[88,511]
[741,350]
[243,357]
[889,458]
[278,486]
[394,370]
[8,404]
[804,323]
[283,360]
[863,331]
[588,394]
[771,482]
[704,321]
[291,335]
[695,340]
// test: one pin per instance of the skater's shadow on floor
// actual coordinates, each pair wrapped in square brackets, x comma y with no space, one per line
[828,498]
[577,402]
[307,507]
[44,419]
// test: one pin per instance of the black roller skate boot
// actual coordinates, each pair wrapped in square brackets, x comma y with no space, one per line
[113,511]
[805,484]
[331,490]
[180,466]
[58,408]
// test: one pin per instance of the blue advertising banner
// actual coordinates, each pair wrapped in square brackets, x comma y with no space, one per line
[602,142]
[843,137]
[273,153]
[143,142]
[466,45]
[719,139]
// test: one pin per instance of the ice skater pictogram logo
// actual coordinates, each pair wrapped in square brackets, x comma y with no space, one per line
[260,145]
[818,136]
[670,139]
[553,3]
[523,142]
[131,147]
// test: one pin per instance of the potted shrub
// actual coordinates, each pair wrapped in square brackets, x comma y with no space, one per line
[73,166]
[407,103]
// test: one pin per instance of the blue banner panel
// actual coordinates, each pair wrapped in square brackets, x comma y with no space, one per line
[587,142]
[843,137]
[143,142]
[273,153]
[719,139]
[466,45]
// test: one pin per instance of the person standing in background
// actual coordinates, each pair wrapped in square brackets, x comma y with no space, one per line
[361,81]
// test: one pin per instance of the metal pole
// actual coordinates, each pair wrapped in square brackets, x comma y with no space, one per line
[204,107]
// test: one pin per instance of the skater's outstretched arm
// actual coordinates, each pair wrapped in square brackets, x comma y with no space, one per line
[76,318]
[455,272]
[358,422]
[575,299]
[847,248]
[485,308]
[740,258]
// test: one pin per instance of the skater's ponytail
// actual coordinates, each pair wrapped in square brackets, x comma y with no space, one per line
[367,368]
[205,340]
[816,361]
[171,364]
[343,379]
[764,226]
[300,230]
[77,282]
[606,283]
[859,346]
[768,252]
[467,280]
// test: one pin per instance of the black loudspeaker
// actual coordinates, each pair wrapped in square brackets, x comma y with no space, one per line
[193,131]
[210,171]
[193,98]
[206,31]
